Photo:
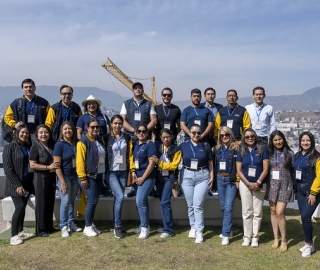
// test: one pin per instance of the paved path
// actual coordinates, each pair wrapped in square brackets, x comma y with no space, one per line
[3,224]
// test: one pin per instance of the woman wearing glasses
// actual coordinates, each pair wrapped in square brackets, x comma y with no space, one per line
[225,153]
[197,178]
[252,167]
[144,176]
[91,161]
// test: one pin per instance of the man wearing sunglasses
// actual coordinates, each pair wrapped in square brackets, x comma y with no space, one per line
[168,116]
[64,110]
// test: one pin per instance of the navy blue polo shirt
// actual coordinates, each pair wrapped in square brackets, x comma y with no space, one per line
[199,152]
[223,154]
[143,152]
[191,114]
[257,162]
[302,163]
[32,109]
[66,152]
[84,119]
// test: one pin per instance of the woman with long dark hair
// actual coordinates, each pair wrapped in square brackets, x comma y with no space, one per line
[307,177]
[279,189]
[18,180]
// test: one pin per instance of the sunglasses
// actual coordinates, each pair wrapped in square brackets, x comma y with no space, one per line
[143,131]
[194,133]
[249,137]
[225,135]
[67,94]
[166,95]
[94,127]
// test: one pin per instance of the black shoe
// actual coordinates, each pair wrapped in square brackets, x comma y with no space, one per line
[43,234]
[209,193]
[131,193]
[118,232]
[154,193]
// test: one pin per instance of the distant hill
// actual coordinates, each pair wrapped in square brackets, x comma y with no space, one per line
[309,100]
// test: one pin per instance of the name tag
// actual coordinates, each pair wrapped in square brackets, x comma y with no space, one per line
[73,163]
[197,121]
[167,125]
[165,172]
[194,164]
[136,163]
[119,159]
[137,116]
[31,118]
[298,174]
[258,125]
[252,171]
[101,159]
[229,123]
[276,175]
[222,165]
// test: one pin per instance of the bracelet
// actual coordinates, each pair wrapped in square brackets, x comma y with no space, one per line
[259,182]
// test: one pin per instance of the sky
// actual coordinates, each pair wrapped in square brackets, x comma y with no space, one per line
[185,44]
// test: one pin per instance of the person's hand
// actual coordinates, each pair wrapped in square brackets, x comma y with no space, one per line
[139,181]
[18,124]
[311,199]
[64,188]
[237,184]
[210,183]
[133,177]
[85,184]
[20,190]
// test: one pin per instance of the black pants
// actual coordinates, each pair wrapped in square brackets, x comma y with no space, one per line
[20,204]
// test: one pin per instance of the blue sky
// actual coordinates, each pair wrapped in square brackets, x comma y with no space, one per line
[183,43]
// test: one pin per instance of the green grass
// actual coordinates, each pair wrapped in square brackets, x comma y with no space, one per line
[178,252]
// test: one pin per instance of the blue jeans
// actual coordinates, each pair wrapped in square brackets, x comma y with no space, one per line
[117,181]
[163,185]
[67,200]
[227,193]
[195,188]
[142,200]
[93,193]
[306,211]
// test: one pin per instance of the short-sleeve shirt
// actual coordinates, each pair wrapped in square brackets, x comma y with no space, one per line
[302,163]
[84,119]
[67,153]
[223,156]
[41,155]
[119,148]
[143,152]
[199,152]
[192,115]
[257,161]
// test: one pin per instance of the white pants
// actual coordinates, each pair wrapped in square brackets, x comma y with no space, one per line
[252,203]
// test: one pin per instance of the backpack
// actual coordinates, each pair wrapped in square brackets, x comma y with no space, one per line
[7,131]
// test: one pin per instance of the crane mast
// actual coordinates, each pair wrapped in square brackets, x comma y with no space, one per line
[124,79]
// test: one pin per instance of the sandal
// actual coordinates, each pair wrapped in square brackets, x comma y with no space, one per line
[284,246]
[276,243]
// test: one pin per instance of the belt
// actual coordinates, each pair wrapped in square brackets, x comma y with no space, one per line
[223,174]
[200,168]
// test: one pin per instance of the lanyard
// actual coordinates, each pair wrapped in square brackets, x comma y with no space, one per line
[164,112]
[233,110]
[139,150]
[260,110]
[136,104]
[277,158]
[65,115]
[196,147]
[74,150]
[303,159]
[32,105]
[223,150]
[47,150]
[252,155]
[195,110]
[119,142]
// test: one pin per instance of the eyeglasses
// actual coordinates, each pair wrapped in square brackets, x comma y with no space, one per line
[143,131]
[194,133]
[249,137]
[67,94]
[166,95]
[225,135]
[94,127]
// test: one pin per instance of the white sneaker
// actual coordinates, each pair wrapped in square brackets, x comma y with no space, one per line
[25,235]
[64,232]
[225,241]
[254,242]
[15,240]
[308,250]
[165,235]
[246,242]
[144,233]
[230,235]
[303,248]
[199,238]
[89,231]
[160,230]
[192,233]
[138,230]
[95,229]
[74,228]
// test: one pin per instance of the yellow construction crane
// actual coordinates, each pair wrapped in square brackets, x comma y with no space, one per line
[123,78]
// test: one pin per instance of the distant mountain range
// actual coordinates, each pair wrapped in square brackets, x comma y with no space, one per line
[309,100]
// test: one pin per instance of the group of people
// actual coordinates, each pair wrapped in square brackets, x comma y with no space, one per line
[233,149]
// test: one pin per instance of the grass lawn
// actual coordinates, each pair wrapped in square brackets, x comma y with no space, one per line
[178,252]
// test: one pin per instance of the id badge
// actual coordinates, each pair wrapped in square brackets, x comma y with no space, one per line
[194,164]
[137,116]
[119,159]
[31,118]
[252,171]
[197,121]
[222,165]
[136,163]
[167,125]
[258,125]
[73,163]
[276,175]
[298,174]
[101,160]
[229,123]
[165,172]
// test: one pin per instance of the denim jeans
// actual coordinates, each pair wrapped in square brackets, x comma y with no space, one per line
[195,188]
[163,185]
[142,200]
[117,181]
[227,193]
[306,211]
[67,200]
[93,193]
